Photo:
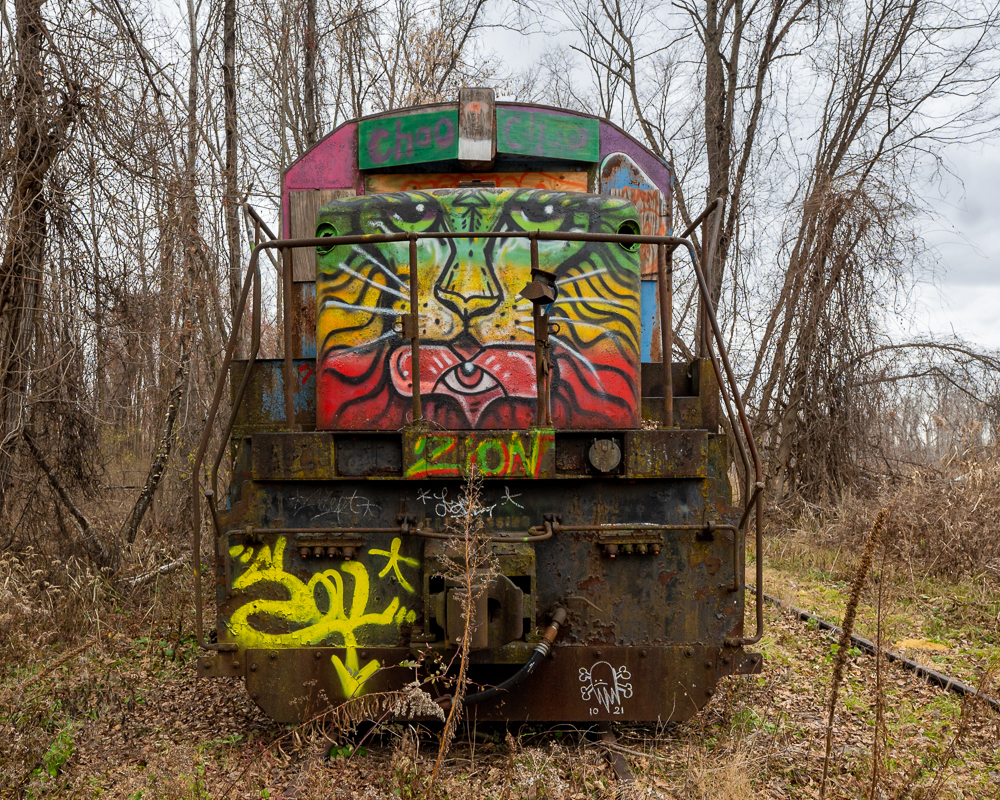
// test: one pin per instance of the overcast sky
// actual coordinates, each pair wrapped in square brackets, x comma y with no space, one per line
[963,295]
[966,297]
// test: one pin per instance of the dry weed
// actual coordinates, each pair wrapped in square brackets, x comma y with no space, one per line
[726,776]
[469,566]
[847,628]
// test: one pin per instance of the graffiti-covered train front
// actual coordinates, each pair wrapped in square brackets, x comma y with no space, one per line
[496,331]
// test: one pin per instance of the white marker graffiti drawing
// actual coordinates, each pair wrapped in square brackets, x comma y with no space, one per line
[509,498]
[459,508]
[443,507]
[606,685]
[336,507]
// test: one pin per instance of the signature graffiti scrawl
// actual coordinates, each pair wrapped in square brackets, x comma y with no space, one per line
[331,609]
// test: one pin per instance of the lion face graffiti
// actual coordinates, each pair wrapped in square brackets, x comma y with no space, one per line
[477,367]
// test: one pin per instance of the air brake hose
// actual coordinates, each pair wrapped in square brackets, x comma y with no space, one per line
[541,651]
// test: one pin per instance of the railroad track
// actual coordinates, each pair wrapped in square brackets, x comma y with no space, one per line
[871,648]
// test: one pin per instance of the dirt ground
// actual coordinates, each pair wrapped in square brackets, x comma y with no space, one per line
[122,716]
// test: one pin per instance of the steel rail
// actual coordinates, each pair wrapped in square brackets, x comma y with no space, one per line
[700,218]
[251,212]
[536,533]
[710,247]
[610,527]
[252,276]
[252,280]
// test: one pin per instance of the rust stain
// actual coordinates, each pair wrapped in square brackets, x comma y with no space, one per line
[665,577]
[592,581]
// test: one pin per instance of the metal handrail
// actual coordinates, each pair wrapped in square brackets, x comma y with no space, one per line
[666,244]
[259,224]
[757,497]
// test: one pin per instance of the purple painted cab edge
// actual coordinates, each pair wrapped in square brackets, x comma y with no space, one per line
[333,162]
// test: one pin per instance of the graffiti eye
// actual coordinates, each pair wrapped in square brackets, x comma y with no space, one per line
[414,217]
[532,216]
[469,379]
[629,228]
[325,229]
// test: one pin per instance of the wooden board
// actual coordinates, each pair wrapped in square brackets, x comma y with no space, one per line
[557,181]
[476,128]
[303,206]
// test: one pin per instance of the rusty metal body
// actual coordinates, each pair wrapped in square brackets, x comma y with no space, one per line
[328,570]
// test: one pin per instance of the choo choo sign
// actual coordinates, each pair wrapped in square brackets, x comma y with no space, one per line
[408,139]
[443,136]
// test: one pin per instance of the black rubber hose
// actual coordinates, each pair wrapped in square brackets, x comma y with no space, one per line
[502,688]
[541,651]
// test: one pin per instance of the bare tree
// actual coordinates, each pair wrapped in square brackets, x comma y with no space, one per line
[890,65]
[46,104]
[232,197]
[813,125]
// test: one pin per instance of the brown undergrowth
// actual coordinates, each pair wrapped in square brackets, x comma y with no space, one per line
[123,716]
[944,521]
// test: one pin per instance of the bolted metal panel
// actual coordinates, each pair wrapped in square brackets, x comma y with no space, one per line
[680,591]
[678,453]
[298,684]
[703,377]
[263,408]
[369,456]
[608,684]
[688,412]
[574,684]
[293,456]
[652,379]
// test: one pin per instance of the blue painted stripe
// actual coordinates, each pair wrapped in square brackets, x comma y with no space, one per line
[648,309]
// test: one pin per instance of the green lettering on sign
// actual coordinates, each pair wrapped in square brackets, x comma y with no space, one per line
[409,139]
[536,133]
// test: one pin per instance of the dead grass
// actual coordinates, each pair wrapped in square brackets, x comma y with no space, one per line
[944,519]
[125,718]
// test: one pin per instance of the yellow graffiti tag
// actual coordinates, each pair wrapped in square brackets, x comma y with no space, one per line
[352,676]
[394,561]
[341,620]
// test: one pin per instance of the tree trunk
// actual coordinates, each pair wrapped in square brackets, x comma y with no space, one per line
[232,172]
[40,134]
[309,77]
[162,455]
[718,127]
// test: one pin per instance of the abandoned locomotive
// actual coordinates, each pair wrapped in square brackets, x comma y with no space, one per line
[480,289]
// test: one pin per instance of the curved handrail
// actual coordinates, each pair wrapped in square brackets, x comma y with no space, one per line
[724,375]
